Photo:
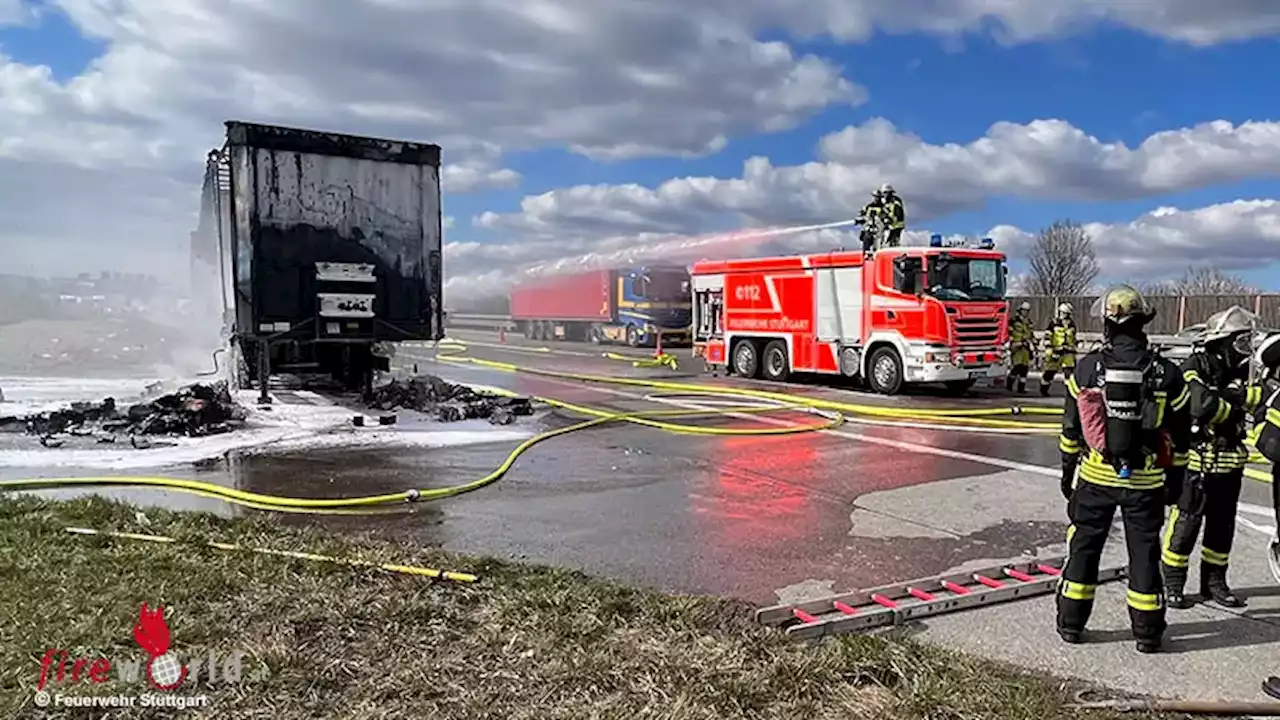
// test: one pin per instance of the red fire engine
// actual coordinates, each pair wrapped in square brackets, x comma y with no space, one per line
[901,315]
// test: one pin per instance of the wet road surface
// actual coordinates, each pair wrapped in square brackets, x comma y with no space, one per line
[769,518]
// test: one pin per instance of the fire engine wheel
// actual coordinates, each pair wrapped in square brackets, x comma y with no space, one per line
[885,376]
[776,366]
[594,335]
[633,336]
[746,359]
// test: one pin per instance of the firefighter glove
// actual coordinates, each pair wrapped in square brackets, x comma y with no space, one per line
[1067,485]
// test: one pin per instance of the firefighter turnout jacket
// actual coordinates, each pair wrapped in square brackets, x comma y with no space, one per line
[1060,339]
[1218,404]
[1164,445]
[1021,340]
[1266,417]
[895,213]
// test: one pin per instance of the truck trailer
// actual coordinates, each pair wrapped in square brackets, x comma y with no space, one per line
[631,305]
[328,247]
[896,317]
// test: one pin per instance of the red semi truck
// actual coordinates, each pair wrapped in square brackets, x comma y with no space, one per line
[631,305]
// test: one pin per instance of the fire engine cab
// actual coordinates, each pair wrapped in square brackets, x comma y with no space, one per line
[898,316]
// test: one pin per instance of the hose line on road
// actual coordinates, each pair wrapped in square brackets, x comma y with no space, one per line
[400,501]
[832,414]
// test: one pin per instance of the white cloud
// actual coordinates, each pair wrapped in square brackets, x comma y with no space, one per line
[1191,21]
[480,77]
[1043,159]
[107,164]
[1236,236]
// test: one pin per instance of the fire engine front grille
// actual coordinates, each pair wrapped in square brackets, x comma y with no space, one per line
[976,331]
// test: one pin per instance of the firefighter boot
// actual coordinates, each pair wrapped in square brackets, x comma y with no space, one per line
[1022,386]
[1008,382]
[1213,586]
[1175,580]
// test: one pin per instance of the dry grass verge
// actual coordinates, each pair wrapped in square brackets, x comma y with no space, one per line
[330,641]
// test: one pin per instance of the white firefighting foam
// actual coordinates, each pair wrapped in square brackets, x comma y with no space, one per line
[283,427]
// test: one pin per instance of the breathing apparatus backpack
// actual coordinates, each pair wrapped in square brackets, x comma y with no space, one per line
[1120,417]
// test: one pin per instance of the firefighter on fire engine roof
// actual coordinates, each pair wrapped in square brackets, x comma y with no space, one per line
[895,213]
[1022,340]
[1217,374]
[1266,432]
[1125,432]
[872,219]
[1060,346]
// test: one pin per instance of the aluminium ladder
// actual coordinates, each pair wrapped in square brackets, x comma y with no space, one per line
[900,603]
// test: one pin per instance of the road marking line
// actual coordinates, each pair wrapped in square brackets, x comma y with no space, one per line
[886,442]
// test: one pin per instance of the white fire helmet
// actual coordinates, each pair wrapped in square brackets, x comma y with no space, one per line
[1236,322]
[1065,310]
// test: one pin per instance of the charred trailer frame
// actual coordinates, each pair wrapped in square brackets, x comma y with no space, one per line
[335,250]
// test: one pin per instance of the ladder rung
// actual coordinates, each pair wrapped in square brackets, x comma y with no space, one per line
[922,595]
[1048,569]
[804,617]
[846,609]
[1018,575]
[882,600]
[956,588]
[989,582]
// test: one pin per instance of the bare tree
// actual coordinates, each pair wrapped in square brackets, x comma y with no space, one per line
[1063,261]
[1209,281]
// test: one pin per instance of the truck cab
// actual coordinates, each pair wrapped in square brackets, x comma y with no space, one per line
[961,323]
[653,299]
[899,316]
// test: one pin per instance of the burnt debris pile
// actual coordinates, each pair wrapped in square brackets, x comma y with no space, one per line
[448,402]
[192,411]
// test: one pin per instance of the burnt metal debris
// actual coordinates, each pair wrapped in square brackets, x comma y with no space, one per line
[192,411]
[448,402]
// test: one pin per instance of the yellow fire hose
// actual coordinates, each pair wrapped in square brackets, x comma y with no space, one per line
[230,547]
[833,413]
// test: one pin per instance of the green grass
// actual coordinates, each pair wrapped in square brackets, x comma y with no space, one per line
[331,641]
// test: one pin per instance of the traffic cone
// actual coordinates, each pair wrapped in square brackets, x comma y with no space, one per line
[657,351]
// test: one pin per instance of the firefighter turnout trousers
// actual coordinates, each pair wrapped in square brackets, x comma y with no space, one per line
[1213,505]
[1092,508]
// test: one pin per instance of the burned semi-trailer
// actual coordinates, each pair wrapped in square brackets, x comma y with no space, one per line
[331,249]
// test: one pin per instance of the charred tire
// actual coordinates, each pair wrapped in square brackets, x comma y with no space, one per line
[745,361]
[884,371]
[960,387]
[594,335]
[776,366]
[633,336]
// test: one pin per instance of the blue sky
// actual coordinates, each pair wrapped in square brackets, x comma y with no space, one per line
[1116,84]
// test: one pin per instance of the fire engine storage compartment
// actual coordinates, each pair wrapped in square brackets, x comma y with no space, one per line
[563,306]
[336,249]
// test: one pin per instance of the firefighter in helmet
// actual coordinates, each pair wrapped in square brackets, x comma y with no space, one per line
[1217,376]
[895,213]
[1266,431]
[1060,347]
[872,219]
[1022,339]
[1125,431]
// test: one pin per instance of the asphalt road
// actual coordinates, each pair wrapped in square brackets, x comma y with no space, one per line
[798,517]
[784,517]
